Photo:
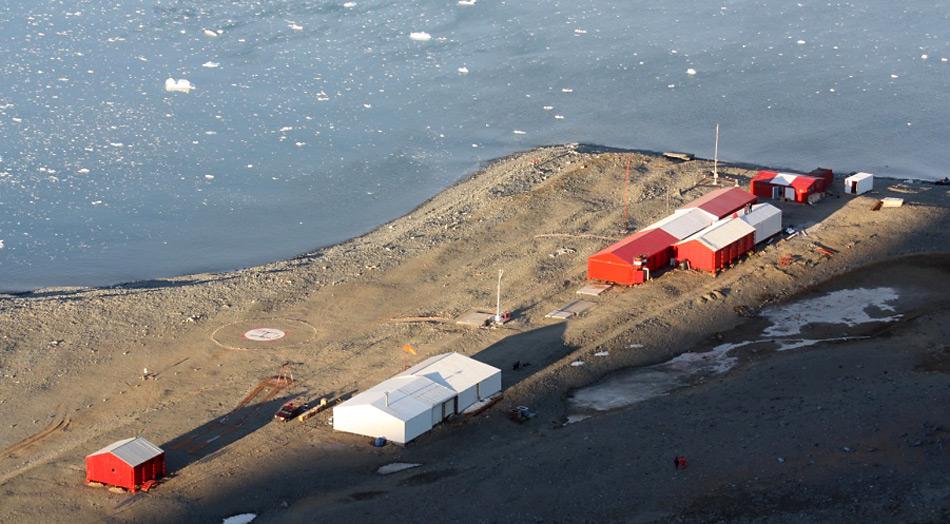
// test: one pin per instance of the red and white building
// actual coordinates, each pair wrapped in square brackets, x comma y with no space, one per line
[804,189]
[127,463]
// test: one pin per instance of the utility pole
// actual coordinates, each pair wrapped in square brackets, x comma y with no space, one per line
[716,159]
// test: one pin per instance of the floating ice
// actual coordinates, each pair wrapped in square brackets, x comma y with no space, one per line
[567,90]
[519,132]
[243,518]
[209,33]
[178,86]
[286,128]
[295,27]
[580,32]
[349,5]
[924,56]
[210,65]
[467,2]
[368,106]
[1,244]
[548,108]
[209,177]
[801,42]
[691,71]
[894,76]
[396,467]
[577,363]
[559,117]
[420,36]
[463,70]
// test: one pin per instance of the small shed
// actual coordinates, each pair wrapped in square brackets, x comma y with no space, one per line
[723,202]
[717,246]
[825,175]
[631,260]
[803,189]
[859,183]
[684,222]
[127,463]
[766,219]
[411,403]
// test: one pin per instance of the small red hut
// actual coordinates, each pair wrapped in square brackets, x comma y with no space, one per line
[128,464]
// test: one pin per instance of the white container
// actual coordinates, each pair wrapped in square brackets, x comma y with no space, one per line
[859,183]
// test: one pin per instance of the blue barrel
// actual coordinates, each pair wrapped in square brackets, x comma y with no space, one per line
[379,442]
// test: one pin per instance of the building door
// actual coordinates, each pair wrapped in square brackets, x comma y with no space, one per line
[776,192]
[854,187]
[790,193]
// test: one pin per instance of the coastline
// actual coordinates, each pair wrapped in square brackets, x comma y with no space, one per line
[531,214]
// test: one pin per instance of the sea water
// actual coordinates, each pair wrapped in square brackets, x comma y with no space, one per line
[147,139]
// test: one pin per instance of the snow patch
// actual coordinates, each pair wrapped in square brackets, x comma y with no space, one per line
[243,518]
[396,467]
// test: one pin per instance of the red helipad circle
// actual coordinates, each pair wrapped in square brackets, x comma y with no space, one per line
[264,334]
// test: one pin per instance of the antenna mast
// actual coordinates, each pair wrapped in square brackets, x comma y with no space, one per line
[716,159]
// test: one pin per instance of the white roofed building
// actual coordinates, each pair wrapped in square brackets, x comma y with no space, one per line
[409,404]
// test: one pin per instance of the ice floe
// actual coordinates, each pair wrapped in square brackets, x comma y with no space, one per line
[420,36]
[178,86]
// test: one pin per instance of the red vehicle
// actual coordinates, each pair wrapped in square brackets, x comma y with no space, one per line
[289,411]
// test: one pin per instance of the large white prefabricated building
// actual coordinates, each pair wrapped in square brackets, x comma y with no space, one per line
[766,219]
[412,402]
[859,183]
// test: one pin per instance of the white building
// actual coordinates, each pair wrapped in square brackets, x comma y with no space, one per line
[412,402]
[765,218]
[859,183]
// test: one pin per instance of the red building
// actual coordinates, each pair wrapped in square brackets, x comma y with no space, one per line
[128,463]
[826,176]
[631,260]
[803,189]
[723,202]
[718,246]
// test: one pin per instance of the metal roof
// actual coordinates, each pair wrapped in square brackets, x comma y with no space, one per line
[723,202]
[722,233]
[403,397]
[453,370]
[684,222]
[859,176]
[647,243]
[424,386]
[133,451]
[760,213]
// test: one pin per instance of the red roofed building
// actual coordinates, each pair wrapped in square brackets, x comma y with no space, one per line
[127,463]
[803,189]
[723,202]
[631,260]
